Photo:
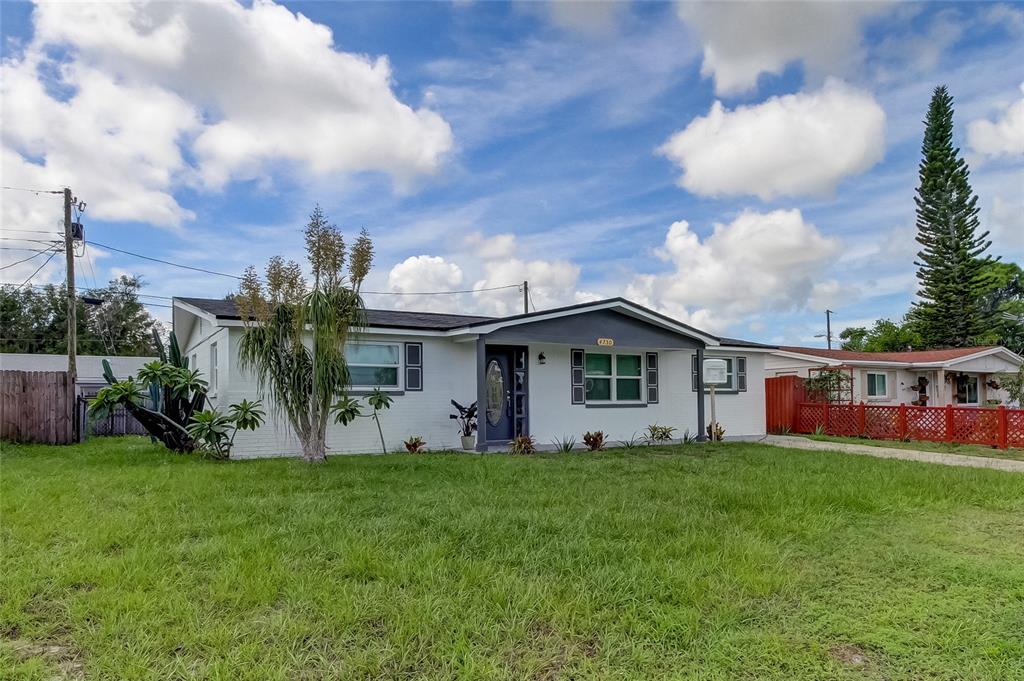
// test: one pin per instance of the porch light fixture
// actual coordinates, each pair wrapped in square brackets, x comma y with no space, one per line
[542,358]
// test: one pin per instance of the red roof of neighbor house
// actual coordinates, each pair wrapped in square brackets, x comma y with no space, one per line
[915,356]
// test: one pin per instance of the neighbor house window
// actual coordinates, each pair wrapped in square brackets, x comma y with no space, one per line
[967,390]
[373,365]
[613,377]
[213,368]
[877,386]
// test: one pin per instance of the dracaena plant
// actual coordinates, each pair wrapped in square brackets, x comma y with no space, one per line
[347,409]
[162,397]
[217,431]
[295,331]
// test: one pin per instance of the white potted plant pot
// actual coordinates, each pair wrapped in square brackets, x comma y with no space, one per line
[469,441]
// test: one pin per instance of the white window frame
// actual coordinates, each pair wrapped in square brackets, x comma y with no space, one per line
[867,385]
[214,370]
[614,377]
[977,392]
[399,367]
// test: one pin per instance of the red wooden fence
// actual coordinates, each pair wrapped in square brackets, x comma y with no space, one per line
[999,427]
[781,395]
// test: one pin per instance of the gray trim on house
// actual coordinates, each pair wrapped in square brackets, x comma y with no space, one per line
[481,393]
[586,327]
[701,434]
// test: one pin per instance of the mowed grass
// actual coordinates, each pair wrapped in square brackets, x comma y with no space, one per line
[734,561]
[1014,453]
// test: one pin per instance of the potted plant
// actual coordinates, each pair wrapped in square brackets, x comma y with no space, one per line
[466,418]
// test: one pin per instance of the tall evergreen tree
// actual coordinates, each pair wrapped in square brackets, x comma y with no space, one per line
[952,277]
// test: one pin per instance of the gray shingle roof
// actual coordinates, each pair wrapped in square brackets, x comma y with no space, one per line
[434,321]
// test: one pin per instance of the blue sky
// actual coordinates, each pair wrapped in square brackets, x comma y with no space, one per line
[740,166]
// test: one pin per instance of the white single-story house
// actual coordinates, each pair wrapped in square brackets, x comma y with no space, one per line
[959,376]
[609,365]
[88,367]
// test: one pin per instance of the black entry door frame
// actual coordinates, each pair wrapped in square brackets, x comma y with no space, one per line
[502,393]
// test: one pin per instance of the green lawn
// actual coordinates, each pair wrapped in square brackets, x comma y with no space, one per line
[926,446]
[734,561]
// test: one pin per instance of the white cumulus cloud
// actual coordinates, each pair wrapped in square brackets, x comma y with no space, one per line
[153,96]
[1002,137]
[423,273]
[742,40]
[759,262]
[797,144]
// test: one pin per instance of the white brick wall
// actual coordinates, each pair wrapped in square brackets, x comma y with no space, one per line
[449,371]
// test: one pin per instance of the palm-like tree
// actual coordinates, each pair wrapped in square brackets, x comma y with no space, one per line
[295,333]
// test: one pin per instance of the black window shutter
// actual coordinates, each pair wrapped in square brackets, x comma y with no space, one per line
[652,378]
[741,373]
[414,366]
[693,372]
[579,393]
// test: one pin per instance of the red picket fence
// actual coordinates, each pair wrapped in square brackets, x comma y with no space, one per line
[999,427]
[786,408]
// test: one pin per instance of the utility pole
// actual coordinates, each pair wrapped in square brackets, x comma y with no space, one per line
[828,328]
[526,297]
[69,259]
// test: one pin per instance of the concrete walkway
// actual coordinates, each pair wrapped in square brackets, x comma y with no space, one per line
[896,453]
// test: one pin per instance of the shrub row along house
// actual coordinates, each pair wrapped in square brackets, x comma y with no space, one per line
[609,365]
[934,378]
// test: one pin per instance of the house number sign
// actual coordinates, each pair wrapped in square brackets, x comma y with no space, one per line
[606,342]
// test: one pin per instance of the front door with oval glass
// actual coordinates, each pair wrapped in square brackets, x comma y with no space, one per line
[504,393]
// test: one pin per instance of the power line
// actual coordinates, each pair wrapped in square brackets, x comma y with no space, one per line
[34,255]
[164,262]
[25,188]
[439,293]
[7,230]
[235,276]
[45,263]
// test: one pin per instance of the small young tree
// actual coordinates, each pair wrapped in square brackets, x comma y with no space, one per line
[1013,384]
[951,263]
[295,333]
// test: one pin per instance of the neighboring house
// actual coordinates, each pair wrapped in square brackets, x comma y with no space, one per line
[88,367]
[963,376]
[609,365]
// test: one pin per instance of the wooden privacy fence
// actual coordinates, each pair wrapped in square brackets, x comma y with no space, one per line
[36,406]
[998,427]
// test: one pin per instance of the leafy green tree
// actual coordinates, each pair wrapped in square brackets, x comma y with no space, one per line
[853,338]
[122,321]
[884,336]
[1003,301]
[34,320]
[301,372]
[951,263]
